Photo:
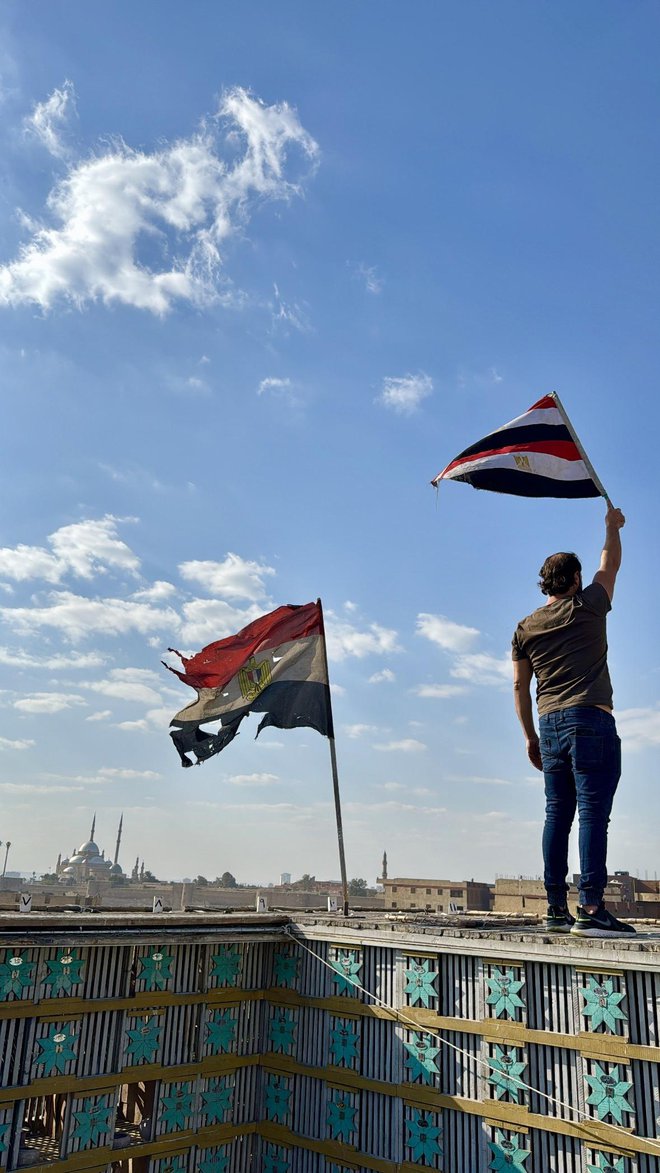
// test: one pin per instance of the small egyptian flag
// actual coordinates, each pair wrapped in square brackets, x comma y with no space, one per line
[535,455]
[276,666]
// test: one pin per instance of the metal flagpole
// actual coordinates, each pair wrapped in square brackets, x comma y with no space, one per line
[335,776]
[587,463]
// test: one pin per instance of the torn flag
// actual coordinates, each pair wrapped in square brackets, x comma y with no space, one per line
[535,455]
[276,666]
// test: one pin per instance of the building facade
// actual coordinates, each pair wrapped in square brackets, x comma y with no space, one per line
[409,894]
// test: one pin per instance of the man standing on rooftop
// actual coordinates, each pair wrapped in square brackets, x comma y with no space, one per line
[564,646]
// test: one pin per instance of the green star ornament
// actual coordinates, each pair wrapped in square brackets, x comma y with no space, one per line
[93,1122]
[277,1095]
[507,1154]
[503,996]
[420,1059]
[15,974]
[285,967]
[606,1164]
[177,1108]
[423,1137]
[602,1004]
[282,1032]
[506,1068]
[56,1051]
[347,964]
[144,1041]
[213,1162]
[344,1042]
[340,1117]
[64,971]
[156,969]
[221,1031]
[216,1101]
[4,1129]
[275,1160]
[226,964]
[608,1093]
[420,982]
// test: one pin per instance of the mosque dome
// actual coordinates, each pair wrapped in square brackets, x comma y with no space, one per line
[88,848]
[98,864]
[115,870]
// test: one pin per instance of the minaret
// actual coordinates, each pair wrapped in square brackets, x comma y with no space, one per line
[58,865]
[91,834]
[142,871]
[384,872]
[121,822]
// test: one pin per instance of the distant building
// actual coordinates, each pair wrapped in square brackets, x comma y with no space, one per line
[285,878]
[409,894]
[88,862]
[625,895]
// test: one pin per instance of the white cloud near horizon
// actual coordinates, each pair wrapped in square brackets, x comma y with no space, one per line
[21,743]
[48,702]
[405,745]
[49,118]
[252,779]
[188,197]
[639,728]
[233,578]
[404,395]
[440,691]
[483,668]
[76,617]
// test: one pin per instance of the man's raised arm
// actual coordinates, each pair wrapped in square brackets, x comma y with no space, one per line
[522,698]
[610,559]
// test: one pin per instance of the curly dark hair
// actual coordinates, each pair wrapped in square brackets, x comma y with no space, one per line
[558,573]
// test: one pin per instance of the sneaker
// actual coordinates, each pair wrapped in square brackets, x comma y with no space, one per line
[558,920]
[600,923]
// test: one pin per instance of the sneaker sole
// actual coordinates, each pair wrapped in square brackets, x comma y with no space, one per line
[593,932]
[557,928]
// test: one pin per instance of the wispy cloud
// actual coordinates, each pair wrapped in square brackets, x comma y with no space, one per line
[233,578]
[189,197]
[406,745]
[369,275]
[49,119]
[639,728]
[404,395]
[252,779]
[483,668]
[357,730]
[386,676]
[278,388]
[21,743]
[345,640]
[440,691]
[48,702]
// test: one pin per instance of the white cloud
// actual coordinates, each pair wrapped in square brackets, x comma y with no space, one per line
[56,662]
[406,745]
[156,593]
[206,620]
[385,677]
[49,118]
[186,197]
[101,715]
[76,617]
[639,728]
[6,743]
[477,780]
[280,388]
[252,779]
[373,282]
[19,788]
[440,691]
[83,549]
[234,578]
[452,637]
[405,394]
[125,689]
[114,772]
[355,731]
[48,702]
[345,640]
[483,668]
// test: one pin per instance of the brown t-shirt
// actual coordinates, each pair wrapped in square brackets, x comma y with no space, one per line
[566,643]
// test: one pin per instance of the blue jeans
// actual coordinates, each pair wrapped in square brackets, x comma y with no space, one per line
[581,755]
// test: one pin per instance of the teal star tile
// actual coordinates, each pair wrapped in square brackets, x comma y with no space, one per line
[217,1101]
[277,1097]
[602,1004]
[421,1057]
[156,969]
[177,1108]
[275,1160]
[226,965]
[346,964]
[4,1129]
[210,1161]
[221,1031]
[64,972]
[282,1032]
[608,1093]
[420,982]
[423,1137]
[506,1069]
[340,1116]
[144,1041]
[286,968]
[56,1051]
[16,974]
[92,1122]
[507,1154]
[170,1165]
[607,1164]
[504,993]
[344,1042]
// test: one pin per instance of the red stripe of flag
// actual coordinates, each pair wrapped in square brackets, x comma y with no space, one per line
[564,449]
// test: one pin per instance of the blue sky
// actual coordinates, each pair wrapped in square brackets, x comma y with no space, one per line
[264,270]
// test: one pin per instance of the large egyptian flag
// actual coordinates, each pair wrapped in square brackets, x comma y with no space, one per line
[276,665]
[536,455]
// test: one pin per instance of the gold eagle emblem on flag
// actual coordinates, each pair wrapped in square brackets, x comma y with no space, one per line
[522,462]
[253,678]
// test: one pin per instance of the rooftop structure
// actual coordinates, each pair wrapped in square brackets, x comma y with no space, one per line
[181,1042]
